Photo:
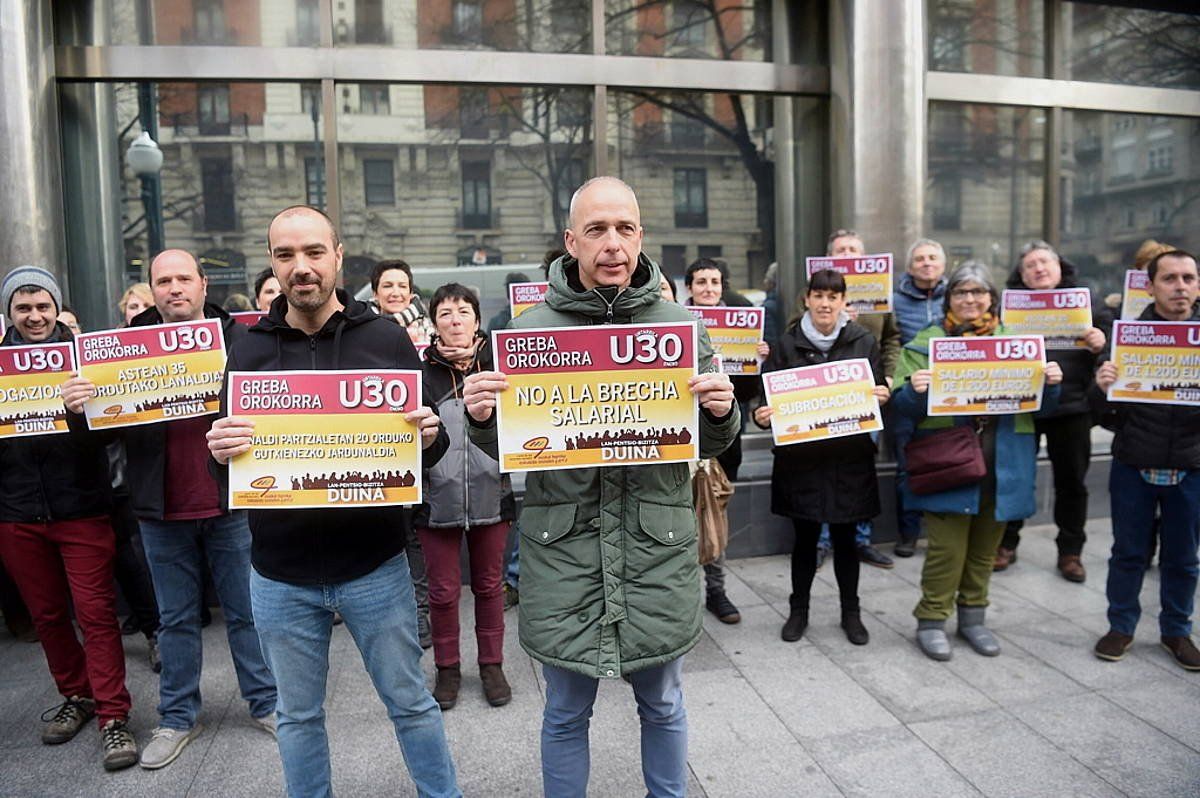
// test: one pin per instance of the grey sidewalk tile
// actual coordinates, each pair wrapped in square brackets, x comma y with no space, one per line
[707,656]
[1169,707]
[769,577]
[908,684]
[1003,758]
[815,698]
[1126,752]
[892,762]
[1013,677]
[755,639]
[1050,591]
[739,591]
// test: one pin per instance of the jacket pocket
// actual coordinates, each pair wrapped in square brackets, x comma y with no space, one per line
[548,523]
[669,525]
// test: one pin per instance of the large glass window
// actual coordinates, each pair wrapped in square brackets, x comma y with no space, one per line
[679,184]
[1123,44]
[996,37]
[986,172]
[482,179]
[726,31]
[1123,184]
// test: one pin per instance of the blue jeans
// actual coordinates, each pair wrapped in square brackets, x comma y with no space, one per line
[569,699]
[1133,503]
[294,624]
[512,571]
[862,535]
[173,551]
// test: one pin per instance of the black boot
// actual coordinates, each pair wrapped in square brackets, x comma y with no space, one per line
[797,622]
[852,623]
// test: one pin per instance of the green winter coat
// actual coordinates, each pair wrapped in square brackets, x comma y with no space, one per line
[609,577]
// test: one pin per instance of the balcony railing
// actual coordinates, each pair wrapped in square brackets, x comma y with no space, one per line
[489,220]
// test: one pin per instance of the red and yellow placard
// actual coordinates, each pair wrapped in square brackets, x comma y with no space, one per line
[610,395]
[1137,294]
[868,279]
[156,373]
[988,375]
[1062,316]
[829,400]
[1157,362]
[326,439]
[523,296]
[734,334]
[31,379]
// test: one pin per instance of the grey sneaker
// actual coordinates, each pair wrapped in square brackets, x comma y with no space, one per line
[120,749]
[67,719]
[266,723]
[166,745]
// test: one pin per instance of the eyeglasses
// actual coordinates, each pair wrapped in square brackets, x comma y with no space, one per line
[963,293]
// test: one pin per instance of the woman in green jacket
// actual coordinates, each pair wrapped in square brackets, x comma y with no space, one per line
[964,524]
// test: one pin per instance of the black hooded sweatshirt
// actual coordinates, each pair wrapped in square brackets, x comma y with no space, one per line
[1078,365]
[312,547]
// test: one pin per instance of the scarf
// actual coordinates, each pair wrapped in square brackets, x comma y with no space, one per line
[819,339]
[461,357]
[984,325]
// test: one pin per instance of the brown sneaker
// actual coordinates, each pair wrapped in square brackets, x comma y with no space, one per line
[1004,558]
[445,690]
[1184,651]
[1071,568]
[68,718]
[1112,646]
[120,749]
[495,686]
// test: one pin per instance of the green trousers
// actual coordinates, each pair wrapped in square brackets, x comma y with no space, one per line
[958,563]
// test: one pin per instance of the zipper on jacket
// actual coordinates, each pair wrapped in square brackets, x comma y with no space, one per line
[312,350]
[466,471]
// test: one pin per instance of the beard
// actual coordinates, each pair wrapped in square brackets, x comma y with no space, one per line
[309,301]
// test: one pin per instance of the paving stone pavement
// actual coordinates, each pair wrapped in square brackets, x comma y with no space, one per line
[814,718]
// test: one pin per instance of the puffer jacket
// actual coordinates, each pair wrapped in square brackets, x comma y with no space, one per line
[1151,435]
[610,580]
[1078,365]
[1015,463]
[465,488]
[832,481]
[916,308]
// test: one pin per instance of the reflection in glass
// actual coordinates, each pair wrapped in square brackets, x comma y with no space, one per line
[1133,46]
[1127,178]
[233,155]
[717,199]
[464,182]
[995,37]
[727,31]
[986,171]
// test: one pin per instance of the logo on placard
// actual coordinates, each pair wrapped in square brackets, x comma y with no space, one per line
[536,445]
[113,410]
[265,484]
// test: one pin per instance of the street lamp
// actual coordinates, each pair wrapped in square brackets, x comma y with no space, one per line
[146,160]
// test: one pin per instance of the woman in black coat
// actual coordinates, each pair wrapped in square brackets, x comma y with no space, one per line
[830,481]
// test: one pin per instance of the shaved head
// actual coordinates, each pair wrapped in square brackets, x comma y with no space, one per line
[588,184]
[175,256]
[304,210]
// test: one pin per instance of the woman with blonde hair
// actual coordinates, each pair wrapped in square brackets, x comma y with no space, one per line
[136,298]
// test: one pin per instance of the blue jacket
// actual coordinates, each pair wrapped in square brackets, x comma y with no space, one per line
[1016,444]
[916,308]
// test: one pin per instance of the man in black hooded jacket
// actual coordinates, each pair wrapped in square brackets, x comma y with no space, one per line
[309,564]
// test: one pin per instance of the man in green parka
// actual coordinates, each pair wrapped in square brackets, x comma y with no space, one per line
[610,581]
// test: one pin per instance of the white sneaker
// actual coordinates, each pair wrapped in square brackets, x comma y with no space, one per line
[266,723]
[166,745]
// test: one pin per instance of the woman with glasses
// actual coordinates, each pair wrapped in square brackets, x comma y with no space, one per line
[964,524]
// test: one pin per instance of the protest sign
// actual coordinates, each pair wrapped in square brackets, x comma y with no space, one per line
[734,334]
[1062,316]
[1158,362]
[609,395]
[326,439]
[829,400]
[31,379]
[523,296]
[154,373]
[248,317]
[1137,294]
[986,375]
[868,279]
